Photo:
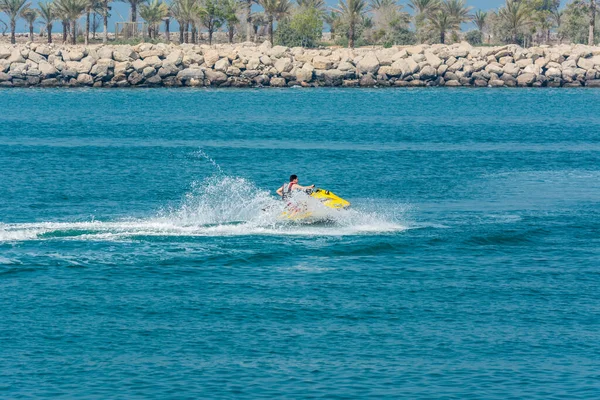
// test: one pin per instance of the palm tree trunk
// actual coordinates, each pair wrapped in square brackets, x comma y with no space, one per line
[87,27]
[74,31]
[187,33]
[168,30]
[271,28]
[133,12]
[64,24]
[181,30]
[31,32]
[13,27]
[442,36]
[105,22]
[230,33]
[592,22]
[351,35]
[248,20]
[49,29]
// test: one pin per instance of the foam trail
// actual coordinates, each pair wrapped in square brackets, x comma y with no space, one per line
[218,206]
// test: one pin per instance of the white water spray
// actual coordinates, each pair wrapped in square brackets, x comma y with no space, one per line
[218,206]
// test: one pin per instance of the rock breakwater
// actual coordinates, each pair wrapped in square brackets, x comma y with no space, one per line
[252,65]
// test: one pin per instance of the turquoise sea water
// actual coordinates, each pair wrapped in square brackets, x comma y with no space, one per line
[141,253]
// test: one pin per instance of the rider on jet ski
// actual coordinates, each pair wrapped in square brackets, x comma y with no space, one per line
[287,189]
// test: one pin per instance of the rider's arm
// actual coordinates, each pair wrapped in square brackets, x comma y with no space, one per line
[280,191]
[303,187]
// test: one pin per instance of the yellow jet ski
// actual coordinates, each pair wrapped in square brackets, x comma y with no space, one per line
[301,212]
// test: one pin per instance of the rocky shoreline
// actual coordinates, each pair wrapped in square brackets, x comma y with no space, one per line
[252,65]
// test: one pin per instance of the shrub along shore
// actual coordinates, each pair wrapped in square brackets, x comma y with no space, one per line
[251,65]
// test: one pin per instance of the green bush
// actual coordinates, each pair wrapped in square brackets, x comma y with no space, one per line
[303,29]
[474,37]
[401,37]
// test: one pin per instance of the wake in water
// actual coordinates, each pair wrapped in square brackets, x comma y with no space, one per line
[218,206]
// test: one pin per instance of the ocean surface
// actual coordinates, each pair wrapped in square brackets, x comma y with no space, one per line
[143,253]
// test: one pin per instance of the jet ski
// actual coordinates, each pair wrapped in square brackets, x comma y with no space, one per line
[302,211]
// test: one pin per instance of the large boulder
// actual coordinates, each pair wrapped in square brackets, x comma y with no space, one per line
[16,57]
[168,69]
[222,65]
[266,60]
[433,60]
[525,79]
[211,57]
[139,65]
[511,69]
[428,73]
[153,61]
[105,52]
[74,55]
[284,64]
[321,62]
[367,80]
[35,57]
[5,52]
[79,67]
[553,73]
[47,70]
[253,63]
[277,82]
[85,79]
[369,64]
[305,74]
[124,53]
[277,51]
[215,77]
[190,73]
[175,57]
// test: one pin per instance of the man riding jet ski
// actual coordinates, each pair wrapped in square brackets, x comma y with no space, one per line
[299,210]
[286,190]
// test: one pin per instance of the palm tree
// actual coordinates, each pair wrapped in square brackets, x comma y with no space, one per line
[29,15]
[248,6]
[105,8]
[211,17]
[332,19]
[134,6]
[48,16]
[259,21]
[377,5]
[91,4]
[230,9]
[275,10]
[64,19]
[592,22]
[441,22]
[515,15]
[72,10]
[191,13]
[479,19]
[13,9]
[388,17]
[352,12]
[318,5]
[422,9]
[153,13]
[458,10]
[557,18]
[176,12]
[4,27]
